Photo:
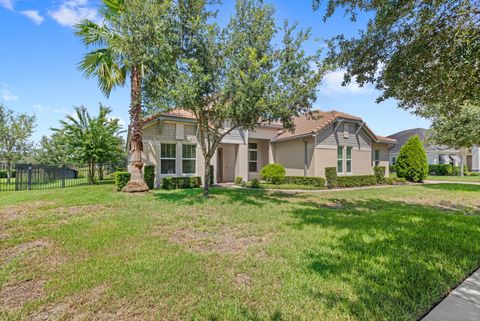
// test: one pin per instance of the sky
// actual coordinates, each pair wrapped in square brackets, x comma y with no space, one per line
[39,53]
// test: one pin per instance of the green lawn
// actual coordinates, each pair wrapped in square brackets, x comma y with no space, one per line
[383,254]
[265,185]
[455,178]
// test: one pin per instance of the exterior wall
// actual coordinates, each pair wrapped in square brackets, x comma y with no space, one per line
[384,157]
[328,138]
[324,157]
[476,158]
[291,154]
[263,133]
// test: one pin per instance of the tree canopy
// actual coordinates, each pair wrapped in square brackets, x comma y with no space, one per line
[15,133]
[92,141]
[235,77]
[425,54]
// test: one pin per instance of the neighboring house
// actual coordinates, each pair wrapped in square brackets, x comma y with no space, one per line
[436,154]
[320,139]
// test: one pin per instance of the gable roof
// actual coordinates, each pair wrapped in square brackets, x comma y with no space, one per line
[317,120]
[404,135]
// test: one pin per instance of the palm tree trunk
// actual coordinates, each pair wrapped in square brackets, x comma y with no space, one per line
[136,183]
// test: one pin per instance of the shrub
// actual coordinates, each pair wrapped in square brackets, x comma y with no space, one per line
[456,170]
[392,168]
[412,161]
[3,174]
[356,181]
[440,169]
[395,181]
[238,180]
[305,180]
[273,173]
[331,176]
[254,183]
[149,175]
[474,174]
[121,179]
[379,172]
[181,182]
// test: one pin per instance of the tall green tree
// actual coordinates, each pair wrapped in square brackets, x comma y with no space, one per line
[122,46]
[425,54]
[235,78]
[91,140]
[53,150]
[15,133]
[460,131]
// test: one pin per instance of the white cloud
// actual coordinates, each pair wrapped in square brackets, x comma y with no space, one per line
[40,108]
[7,4]
[332,85]
[33,15]
[73,11]
[7,95]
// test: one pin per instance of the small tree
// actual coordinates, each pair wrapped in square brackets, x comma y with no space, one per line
[15,132]
[53,151]
[412,161]
[235,78]
[92,140]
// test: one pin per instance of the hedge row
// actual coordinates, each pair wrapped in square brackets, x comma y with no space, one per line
[445,170]
[379,172]
[305,180]
[121,179]
[334,181]
[181,182]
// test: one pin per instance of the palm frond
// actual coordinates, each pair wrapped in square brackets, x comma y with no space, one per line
[94,34]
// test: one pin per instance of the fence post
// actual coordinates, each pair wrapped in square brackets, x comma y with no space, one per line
[63,176]
[29,182]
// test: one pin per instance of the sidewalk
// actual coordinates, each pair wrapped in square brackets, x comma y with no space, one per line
[451,182]
[462,304]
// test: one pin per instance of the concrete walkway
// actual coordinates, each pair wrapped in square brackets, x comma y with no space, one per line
[451,182]
[462,304]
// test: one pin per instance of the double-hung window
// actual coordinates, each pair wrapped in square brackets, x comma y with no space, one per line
[168,159]
[377,157]
[189,157]
[348,160]
[252,157]
[340,159]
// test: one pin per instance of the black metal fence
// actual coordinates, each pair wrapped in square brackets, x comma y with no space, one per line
[21,177]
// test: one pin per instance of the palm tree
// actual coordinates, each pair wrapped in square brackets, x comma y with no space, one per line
[108,63]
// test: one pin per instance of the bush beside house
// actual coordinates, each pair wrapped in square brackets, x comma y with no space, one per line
[273,173]
[149,175]
[181,182]
[412,161]
[379,172]
[121,179]
[305,180]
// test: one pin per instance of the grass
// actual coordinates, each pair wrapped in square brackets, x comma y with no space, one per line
[265,185]
[455,178]
[240,255]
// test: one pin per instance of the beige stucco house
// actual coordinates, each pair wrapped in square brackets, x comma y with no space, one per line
[321,139]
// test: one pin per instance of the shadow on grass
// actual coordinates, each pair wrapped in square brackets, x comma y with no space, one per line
[230,195]
[395,259]
[454,187]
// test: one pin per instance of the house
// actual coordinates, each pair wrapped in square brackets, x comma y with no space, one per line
[320,139]
[436,154]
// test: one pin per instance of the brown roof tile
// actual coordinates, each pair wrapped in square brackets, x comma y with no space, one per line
[178,113]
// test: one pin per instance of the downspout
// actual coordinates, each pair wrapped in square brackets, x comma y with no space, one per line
[305,158]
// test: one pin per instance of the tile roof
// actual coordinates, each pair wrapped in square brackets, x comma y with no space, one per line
[313,122]
[177,113]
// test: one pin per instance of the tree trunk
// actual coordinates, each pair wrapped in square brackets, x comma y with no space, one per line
[136,183]
[91,173]
[206,178]
[100,172]
[461,163]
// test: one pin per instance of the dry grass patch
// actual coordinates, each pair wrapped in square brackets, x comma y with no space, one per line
[29,248]
[14,296]
[14,212]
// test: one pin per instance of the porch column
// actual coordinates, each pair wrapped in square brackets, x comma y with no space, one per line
[241,168]
[476,158]
[270,153]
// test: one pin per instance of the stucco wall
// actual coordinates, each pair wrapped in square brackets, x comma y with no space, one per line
[384,156]
[291,154]
[327,138]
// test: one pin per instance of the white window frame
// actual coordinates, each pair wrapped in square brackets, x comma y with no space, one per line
[348,159]
[341,159]
[376,161]
[252,161]
[194,159]
[168,158]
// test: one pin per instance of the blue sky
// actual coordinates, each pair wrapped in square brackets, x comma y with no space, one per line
[39,54]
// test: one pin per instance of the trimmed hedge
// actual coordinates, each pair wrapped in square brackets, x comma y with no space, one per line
[273,173]
[379,172]
[305,180]
[356,181]
[456,170]
[331,176]
[440,169]
[149,175]
[254,183]
[238,180]
[181,182]
[121,179]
